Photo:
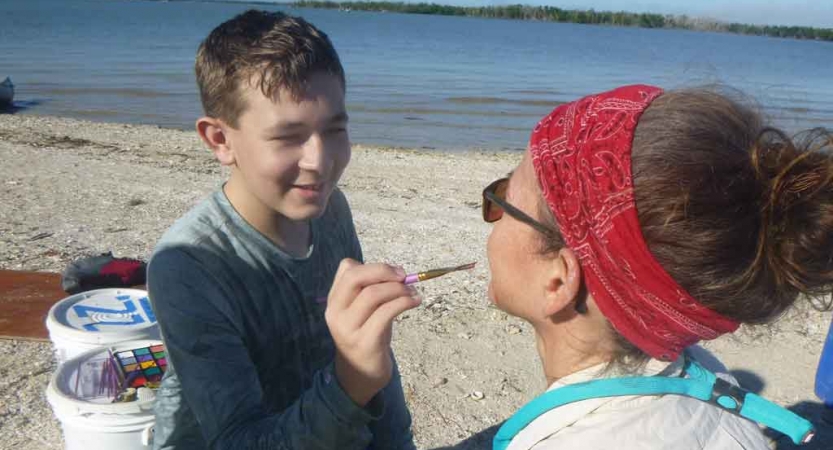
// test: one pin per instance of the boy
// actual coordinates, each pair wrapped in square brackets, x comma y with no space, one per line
[245,285]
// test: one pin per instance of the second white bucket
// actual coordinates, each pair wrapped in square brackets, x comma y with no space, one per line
[94,423]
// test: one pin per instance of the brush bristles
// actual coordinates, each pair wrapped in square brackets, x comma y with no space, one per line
[465,266]
[429,274]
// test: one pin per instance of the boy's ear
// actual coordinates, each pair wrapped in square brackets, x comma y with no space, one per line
[212,132]
[563,283]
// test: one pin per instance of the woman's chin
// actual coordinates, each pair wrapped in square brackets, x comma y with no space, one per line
[490,294]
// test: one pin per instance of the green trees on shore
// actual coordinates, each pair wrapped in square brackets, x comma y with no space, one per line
[553,14]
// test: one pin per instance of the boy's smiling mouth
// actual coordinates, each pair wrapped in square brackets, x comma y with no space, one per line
[310,191]
[309,187]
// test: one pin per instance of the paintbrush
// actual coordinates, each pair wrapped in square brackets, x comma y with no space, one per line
[421,276]
[434,273]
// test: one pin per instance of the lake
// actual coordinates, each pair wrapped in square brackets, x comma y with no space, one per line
[413,80]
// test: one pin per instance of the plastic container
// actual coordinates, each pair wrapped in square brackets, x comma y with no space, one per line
[89,419]
[99,318]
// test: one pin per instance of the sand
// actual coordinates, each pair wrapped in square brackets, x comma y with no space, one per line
[72,188]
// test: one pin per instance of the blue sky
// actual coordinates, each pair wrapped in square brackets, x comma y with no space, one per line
[815,13]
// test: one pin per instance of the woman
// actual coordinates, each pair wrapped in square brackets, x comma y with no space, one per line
[638,223]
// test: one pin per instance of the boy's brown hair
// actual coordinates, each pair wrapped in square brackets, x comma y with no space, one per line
[268,50]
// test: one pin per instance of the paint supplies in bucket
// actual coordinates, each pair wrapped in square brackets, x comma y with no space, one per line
[104,397]
[99,318]
[142,367]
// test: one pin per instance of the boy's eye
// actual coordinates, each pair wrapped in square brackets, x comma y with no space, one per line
[288,138]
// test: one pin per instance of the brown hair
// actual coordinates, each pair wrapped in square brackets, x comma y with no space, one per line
[738,213]
[272,49]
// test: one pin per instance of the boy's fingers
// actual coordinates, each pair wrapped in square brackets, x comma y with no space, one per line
[369,274]
[382,318]
[338,296]
[371,298]
[352,277]
[343,266]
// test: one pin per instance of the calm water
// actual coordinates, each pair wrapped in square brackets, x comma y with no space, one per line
[413,81]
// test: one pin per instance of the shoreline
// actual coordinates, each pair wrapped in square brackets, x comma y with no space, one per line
[94,187]
[20,107]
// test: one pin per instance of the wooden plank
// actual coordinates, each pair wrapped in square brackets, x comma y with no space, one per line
[25,299]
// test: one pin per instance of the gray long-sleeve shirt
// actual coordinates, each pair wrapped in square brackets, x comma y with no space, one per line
[250,353]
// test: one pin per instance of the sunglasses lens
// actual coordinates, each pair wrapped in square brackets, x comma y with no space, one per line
[491,210]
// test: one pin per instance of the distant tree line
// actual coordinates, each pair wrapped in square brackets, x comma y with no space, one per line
[553,14]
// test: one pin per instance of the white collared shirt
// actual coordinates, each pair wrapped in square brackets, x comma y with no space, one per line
[641,422]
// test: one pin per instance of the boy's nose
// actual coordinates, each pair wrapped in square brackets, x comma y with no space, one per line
[315,158]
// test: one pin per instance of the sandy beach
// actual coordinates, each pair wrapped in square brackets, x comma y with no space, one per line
[72,188]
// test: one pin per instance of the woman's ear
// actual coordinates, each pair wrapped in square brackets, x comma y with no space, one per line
[212,132]
[564,283]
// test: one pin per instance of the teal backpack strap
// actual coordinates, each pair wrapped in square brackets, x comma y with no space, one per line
[701,384]
[748,405]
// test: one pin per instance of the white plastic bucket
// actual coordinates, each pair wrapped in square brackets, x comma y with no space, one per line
[99,318]
[97,424]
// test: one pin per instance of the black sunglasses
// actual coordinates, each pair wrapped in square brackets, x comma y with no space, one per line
[494,205]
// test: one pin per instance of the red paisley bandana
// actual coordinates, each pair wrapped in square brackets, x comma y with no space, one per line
[582,158]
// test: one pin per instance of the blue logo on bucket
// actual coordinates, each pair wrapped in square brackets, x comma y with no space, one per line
[102,310]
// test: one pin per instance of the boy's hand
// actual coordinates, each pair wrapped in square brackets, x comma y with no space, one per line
[361,306]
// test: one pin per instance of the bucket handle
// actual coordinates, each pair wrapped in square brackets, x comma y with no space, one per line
[147,435]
